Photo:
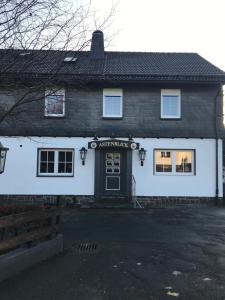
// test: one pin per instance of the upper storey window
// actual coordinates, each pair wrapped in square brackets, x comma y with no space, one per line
[112,103]
[170,104]
[55,102]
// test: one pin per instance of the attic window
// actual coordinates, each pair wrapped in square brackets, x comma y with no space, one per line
[69,59]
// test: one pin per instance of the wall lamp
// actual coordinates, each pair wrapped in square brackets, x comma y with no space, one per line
[142,155]
[83,155]
[3,152]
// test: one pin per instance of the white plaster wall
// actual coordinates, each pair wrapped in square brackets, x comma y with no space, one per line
[203,184]
[21,169]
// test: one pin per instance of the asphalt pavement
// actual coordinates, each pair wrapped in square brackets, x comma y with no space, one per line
[174,253]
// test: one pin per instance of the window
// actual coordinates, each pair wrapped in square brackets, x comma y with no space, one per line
[174,162]
[184,162]
[55,103]
[112,103]
[55,162]
[170,104]
[163,161]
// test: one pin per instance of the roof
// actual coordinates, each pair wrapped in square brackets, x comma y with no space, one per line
[122,66]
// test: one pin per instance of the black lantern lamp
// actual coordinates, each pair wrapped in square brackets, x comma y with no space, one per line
[3,152]
[83,154]
[142,154]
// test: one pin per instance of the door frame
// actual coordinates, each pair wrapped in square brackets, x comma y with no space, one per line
[128,172]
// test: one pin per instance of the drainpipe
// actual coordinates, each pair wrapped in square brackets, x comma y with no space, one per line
[217,181]
[219,93]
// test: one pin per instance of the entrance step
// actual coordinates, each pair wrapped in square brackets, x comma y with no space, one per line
[110,202]
[113,200]
[112,205]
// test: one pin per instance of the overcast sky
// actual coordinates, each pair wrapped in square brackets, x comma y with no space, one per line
[170,26]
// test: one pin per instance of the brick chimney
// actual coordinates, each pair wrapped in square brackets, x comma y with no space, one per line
[97,45]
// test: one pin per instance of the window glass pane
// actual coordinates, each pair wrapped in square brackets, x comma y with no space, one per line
[54,104]
[61,167]
[50,167]
[163,161]
[43,168]
[170,106]
[69,168]
[51,156]
[69,156]
[43,155]
[112,105]
[184,161]
[62,155]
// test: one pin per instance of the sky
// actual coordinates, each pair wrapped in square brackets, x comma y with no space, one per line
[169,26]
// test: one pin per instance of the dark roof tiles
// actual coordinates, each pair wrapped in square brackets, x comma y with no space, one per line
[116,65]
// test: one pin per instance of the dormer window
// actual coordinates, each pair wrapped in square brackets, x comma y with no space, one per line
[55,102]
[112,103]
[170,104]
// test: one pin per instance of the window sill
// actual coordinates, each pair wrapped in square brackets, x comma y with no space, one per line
[57,176]
[168,174]
[55,117]
[170,119]
[111,118]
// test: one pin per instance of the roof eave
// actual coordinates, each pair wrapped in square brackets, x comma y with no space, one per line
[124,78]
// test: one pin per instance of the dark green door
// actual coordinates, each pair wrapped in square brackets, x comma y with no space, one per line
[113,172]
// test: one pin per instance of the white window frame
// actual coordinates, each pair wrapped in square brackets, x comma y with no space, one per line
[113,92]
[56,161]
[171,92]
[173,162]
[52,92]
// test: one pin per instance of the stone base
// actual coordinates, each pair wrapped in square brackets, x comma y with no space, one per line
[87,200]
[64,200]
[148,202]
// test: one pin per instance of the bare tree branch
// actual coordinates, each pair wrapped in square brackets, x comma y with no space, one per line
[32,25]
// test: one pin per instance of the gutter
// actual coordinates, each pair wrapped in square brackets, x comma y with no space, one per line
[217,144]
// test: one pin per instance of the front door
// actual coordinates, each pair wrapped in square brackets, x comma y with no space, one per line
[113,172]
[113,167]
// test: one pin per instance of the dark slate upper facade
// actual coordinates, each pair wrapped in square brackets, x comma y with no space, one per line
[141,75]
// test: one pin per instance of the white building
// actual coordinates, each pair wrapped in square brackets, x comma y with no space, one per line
[150,121]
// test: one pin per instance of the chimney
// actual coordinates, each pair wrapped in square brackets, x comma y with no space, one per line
[97,45]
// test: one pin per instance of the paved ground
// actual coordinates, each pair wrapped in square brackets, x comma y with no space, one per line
[138,256]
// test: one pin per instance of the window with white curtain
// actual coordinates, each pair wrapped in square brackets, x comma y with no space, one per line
[112,103]
[54,102]
[170,104]
[174,162]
